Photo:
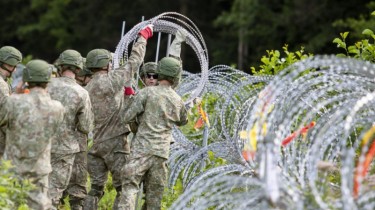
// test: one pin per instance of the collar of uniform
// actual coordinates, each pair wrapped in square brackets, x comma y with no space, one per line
[69,79]
[38,90]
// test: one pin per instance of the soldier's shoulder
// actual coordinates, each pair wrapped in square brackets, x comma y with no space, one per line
[2,81]
[56,104]
[18,97]
[19,100]
[80,89]
[95,82]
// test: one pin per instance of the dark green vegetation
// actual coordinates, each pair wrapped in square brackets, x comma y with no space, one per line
[237,32]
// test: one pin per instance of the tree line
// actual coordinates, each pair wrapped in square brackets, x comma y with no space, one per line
[237,32]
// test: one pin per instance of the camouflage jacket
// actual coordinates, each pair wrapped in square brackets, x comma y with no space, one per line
[78,117]
[31,121]
[4,88]
[106,94]
[157,108]
[4,93]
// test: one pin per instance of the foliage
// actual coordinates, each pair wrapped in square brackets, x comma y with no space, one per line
[171,195]
[356,24]
[13,192]
[43,28]
[273,62]
[363,49]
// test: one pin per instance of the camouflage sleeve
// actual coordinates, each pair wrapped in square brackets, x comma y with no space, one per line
[135,60]
[183,117]
[4,110]
[136,107]
[4,92]
[85,116]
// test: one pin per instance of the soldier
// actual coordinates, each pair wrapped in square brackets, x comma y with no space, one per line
[149,77]
[31,121]
[72,134]
[9,58]
[148,74]
[158,109]
[77,189]
[108,153]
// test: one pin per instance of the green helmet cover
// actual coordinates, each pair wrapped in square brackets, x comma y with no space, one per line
[85,71]
[98,58]
[10,55]
[170,67]
[149,67]
[72,58]
[37,71]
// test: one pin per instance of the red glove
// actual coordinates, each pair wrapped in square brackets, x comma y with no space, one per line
[146,32]
[128,91]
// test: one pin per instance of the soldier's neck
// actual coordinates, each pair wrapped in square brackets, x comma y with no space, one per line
[38,89]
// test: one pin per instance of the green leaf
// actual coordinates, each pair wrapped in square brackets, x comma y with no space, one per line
[368,32]
[344,35]
[341,55]
[337,41]
[353,50]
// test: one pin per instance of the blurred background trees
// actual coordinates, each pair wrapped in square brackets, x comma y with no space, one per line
[237,32]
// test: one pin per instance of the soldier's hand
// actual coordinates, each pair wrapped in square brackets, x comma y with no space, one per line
[128,91]
[180,35]
[147,31]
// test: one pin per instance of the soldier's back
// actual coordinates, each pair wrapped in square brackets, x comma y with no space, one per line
[163,108]
[75,100]
[105,95]
[33,120]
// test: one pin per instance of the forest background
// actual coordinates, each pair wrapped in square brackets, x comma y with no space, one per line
[236,32]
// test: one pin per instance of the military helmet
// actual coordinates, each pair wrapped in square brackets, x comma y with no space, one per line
[10,55]
[98,58]
[149,67]
[170,67]
[85,71]
[70,57]
[37,71]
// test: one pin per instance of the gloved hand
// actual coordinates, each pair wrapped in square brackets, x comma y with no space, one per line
[180,36]
[175,48]
[146,32]
[128,91]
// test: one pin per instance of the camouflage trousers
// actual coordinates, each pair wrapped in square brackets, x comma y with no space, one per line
[149,169]
[104,157]
[38,197]
[76,189]
[62,165]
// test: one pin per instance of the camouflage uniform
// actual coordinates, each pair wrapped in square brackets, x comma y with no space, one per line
[31,121]
[9,57]
[4,93]
[77,189]
[158,108]
[77,124]
[110,148]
